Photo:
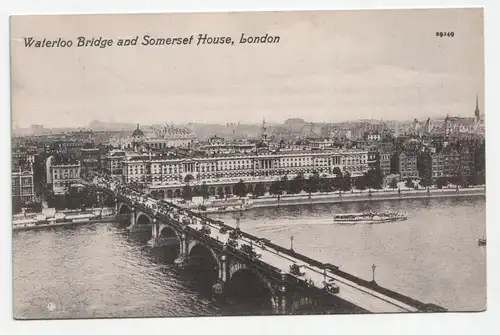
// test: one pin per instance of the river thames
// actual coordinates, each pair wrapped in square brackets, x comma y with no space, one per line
[99,271]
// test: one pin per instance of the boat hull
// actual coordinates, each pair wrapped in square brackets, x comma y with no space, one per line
[367,221]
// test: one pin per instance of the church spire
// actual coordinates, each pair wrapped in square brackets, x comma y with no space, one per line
[477,113]
[264,133]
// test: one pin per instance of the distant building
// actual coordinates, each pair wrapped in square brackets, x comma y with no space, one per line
[467,162]
[23,190]
[451,163]
[321,143]
[157,138]
[407,164]
[373,158]
[62,172]
[465,125]
[113,162]
[385,162]
[91,159]
[373,137]
[218,145]
[22,156]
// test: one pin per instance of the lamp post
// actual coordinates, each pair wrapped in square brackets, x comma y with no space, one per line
[291,243]
[373,273]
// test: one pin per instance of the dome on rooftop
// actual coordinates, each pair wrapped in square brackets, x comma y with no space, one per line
[137,132]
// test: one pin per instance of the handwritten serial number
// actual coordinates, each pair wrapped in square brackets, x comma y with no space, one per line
[445,34]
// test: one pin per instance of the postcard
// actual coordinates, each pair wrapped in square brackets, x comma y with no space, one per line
[248,163]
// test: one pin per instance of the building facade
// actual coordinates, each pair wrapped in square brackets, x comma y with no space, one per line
[23,187]
[385,162]
[113,162]
[407,164]
[62,173]
[451,163]
[157,138]
[265,165]
[217,145]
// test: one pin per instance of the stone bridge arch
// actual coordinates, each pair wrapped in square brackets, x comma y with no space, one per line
[165,231]
[143,219]
[124,208]
[204,263]
[197,244]
[246,283]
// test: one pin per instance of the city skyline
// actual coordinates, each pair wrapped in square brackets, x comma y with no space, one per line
[322,70]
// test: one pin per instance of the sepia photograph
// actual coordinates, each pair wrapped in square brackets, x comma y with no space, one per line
[248,163]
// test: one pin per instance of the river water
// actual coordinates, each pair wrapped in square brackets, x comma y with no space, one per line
[99,271]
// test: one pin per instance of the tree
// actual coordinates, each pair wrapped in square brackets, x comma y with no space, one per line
[361,183]
[196,191]
[312,183]
[296,184]
[187,192]
[204,191]
[188,178]
[409,183]
[276,188]
[220,193]
[394,183]
[456,180]
[17,206]
[260,190]
[346,182]
[426,182]
[239,189]
[286,184]
[336,171]
[441,182]
[374,178]
[249,189]
[325,185]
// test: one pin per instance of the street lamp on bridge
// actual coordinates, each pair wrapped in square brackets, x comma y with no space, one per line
[373,273]
[291,243]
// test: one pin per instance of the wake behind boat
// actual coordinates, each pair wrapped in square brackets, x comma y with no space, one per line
[368,217]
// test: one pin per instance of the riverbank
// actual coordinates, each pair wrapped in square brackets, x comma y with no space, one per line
[323,198]
[34,226]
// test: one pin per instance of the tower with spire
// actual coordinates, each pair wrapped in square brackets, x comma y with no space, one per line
[477,112]
[264,130]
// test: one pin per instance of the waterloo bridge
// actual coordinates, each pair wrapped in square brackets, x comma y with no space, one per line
[237,263]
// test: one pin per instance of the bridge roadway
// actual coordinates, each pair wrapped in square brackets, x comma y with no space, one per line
[361,296]
[354,293]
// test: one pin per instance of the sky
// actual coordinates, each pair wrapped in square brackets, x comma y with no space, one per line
[327,67]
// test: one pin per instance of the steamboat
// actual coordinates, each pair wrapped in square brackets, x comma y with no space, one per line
[369,217]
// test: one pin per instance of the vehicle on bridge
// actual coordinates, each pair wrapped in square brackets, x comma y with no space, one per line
[329,266]
[232,244]
[296,270]
[262,243]
[331,287]
[205,230]
[187,221]
[247,248]
[223,230]
[235,234]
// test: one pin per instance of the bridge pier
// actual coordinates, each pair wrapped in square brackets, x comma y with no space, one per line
[280,298]
[182,260]
[132,219]
[218,288]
